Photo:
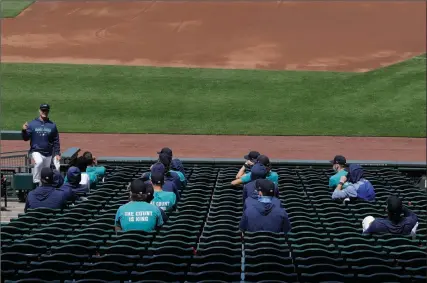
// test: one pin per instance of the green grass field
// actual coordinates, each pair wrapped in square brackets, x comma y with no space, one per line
[12,8]
[112,99]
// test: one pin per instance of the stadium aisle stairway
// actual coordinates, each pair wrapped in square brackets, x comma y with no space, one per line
[201,241]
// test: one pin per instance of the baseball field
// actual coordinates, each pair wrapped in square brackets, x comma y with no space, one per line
[266,68]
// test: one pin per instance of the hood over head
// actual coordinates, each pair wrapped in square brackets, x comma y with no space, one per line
[355,173]
[176,165]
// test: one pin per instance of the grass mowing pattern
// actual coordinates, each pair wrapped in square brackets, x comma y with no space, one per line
[12,8]
[121,99]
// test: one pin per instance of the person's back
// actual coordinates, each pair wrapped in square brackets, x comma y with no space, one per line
[250,190]
[45,195]
[139,214]
[258,171]
[266,212]
[58,179]
[92,166]
[169,184]
[72,187]
[164,200]
[178,168]
[395,223]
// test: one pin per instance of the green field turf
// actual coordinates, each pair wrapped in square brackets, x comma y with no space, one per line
[112,99]
[12,8]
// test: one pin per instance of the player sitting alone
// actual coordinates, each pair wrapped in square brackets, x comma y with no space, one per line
[400,220]
[265,213]
[139,214]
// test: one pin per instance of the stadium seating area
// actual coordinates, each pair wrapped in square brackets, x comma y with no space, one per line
[201,242]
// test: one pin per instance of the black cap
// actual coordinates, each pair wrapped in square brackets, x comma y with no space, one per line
[47,175]
[339,159]
[165,159]
[157,178]
[264,160]
[139,187]
[265,186]
[166,150]
[44,106]
[394,205]
[253,155]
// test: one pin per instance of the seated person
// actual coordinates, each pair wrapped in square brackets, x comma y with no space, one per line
[271,175]
[168,185]
[166,160]
[251,159]
[264,213]
[395,223]
[72,187]
[339,164]
[178,165]
[58,179]
[178,168]
[139,214]
[162,199]
[258,171]
[88,179]
[92,166]
[358,187]
[45,195]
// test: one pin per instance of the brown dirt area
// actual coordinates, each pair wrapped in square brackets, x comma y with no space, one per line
[334,36]
[292,148]
[282,35]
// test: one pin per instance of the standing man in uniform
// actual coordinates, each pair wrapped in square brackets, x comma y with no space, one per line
[44,141]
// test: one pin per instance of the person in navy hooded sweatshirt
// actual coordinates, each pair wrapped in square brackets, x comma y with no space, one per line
[44,141]
[258,171]
[400,220]
[72,187]
[266,212]
[358,188]
[46,195]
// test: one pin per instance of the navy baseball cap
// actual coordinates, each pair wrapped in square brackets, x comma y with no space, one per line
[265,186]
[253,155]
[140,187]
[394,205]
[47,175]
[44,106]
[157,178]
[258,171]
[166,150]
[158,168]
[339,159]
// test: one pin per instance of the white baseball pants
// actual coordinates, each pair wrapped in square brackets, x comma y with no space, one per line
[41,161]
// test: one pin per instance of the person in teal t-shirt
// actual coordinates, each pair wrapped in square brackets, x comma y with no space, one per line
[139,214]
[164,200]
[92,166]
[271,175]
[339,164]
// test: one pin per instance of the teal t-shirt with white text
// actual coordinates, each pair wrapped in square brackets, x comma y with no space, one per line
[164,200]
[138,215]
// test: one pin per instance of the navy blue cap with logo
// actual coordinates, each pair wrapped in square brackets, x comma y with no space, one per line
[45,107]
[47,175]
